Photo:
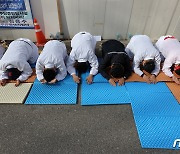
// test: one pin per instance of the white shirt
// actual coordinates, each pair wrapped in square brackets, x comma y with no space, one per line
[142,49]
[170,49]
[54,55]
[2,50]
[19,54]
[83,50]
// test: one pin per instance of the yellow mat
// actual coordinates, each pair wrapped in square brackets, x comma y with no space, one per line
[12,94]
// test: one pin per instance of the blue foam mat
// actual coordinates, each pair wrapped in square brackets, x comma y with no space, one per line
[103,93]
[63,92]
[98,78]
[158,131]
[154,104]
[156,111]
[141,87]
[68,79]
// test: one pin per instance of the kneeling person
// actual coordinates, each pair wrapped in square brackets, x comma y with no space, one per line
[15,63]
[169,47]
[83,54]
[146,58]
[52,63]
[115,66]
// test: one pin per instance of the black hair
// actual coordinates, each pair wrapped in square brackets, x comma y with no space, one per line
[13,73]
[149,66]
[177,71]
[49,74]
[81,67]
[117,71]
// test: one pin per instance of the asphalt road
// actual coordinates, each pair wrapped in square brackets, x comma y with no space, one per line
[76,129]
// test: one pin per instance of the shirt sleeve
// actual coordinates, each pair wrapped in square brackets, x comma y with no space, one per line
[93,61]
[129,52]
[27,71]
[128,69]
[3,75]
[70,65]
[157,64]
[106,62]
[34,55]
[136,66]
[61,72]
[39,70]
[157,45]
[167,66]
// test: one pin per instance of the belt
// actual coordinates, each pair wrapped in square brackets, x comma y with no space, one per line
[26,43]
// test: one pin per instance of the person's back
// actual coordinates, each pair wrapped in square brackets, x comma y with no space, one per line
[146,58]
[83,54]
[51,64]
[83,41]
[53,52]
[19,54]
[142,47]
[169,47]
[115,66]
[82,45]
[112,46]
[20,50]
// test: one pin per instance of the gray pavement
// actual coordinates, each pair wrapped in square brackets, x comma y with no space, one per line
[76,129]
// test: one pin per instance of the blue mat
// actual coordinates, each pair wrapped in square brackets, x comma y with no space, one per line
[63,92]
[142,87]
[103,93]
[156,113]
[97,78]
[153,104]
[158,131]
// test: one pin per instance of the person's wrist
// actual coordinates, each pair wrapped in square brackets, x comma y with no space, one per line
[142,75]
[73,75]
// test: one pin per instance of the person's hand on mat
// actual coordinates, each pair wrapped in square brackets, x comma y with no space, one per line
[152,79]
[76,78]
[146,78]
[112,82]
[17,83]
[53,81]
[121,81]
[175,79]
[3,82]
[89,79]
[43,81]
